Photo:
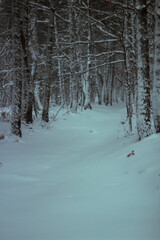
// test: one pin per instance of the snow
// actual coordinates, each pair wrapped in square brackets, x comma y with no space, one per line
[74,181]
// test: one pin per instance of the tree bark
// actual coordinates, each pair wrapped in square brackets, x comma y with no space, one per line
[73,80]
[144,83]
[17,71]
[28,84]
[46,101]
[156,70]
[87,104]
[129,75]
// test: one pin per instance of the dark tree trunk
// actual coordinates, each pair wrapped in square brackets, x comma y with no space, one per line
[28,85]
[17,71]
[47,92]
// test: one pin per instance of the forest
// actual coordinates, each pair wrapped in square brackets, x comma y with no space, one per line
[79,119]
[73,53]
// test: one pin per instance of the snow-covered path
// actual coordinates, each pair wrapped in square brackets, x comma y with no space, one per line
[75,182]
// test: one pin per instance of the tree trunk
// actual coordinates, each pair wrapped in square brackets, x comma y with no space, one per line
[45,113]
[33,51]
[129,75]
[28,84]
[143,90]
[73,79]
[156,70]
[60,80]
[17,71]
[87,80]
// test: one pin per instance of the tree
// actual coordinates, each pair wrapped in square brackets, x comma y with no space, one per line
[6,59]
[87,77]
[17,69]
[27,83]
[128,50]
[156,70]
[73,80]
[49,54]
[144,83]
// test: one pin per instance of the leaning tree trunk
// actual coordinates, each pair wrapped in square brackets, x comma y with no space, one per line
[17,71]
[143,90]
[156,71]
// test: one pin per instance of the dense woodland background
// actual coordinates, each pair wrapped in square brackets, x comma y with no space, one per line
[73,53]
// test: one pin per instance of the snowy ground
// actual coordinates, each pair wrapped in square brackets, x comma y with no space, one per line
[75,182]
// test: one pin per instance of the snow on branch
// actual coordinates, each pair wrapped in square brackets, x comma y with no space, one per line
[95,67]
[6,43]
[98,22]
[65,20]
[105,31]
[86,42]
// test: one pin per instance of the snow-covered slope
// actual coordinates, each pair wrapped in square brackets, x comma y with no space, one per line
[80,180]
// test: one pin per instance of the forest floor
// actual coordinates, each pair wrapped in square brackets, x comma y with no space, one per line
[80,178]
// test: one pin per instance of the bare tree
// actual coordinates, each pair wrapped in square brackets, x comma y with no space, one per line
[27,83]
[144,83]
[17,69]
[156,70]
[49,54]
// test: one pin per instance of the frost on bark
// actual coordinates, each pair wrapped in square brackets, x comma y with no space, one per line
[17,71]
[156,70]
[143,90]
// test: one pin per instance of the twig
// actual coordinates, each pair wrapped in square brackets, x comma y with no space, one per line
[58,111]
